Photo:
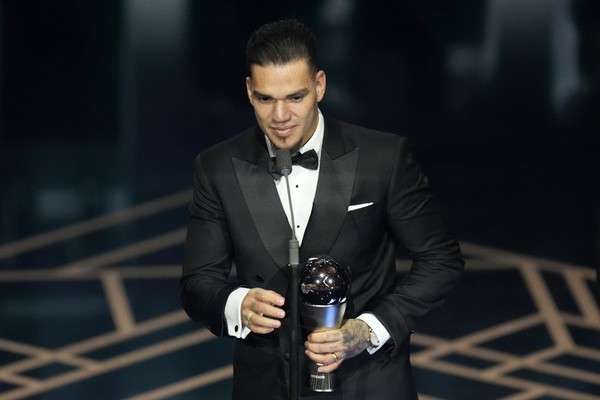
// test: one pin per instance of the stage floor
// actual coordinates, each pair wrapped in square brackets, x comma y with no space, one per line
[104,321]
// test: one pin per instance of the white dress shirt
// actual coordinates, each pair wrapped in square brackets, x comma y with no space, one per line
[303,186]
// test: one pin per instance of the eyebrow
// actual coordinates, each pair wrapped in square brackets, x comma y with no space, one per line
[301,92]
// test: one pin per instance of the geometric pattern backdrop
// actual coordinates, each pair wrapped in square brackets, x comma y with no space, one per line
[105,321]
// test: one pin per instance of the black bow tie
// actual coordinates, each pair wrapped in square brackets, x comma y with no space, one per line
[308,160]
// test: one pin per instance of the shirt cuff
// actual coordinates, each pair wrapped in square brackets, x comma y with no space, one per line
[378,329]
[233,317]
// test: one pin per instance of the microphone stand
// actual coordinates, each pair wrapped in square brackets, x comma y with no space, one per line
[284,163]
[294,265]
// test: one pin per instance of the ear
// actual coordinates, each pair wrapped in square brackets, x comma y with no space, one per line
[249,88]
[321,84]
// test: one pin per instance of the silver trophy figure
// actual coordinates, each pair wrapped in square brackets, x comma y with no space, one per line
[324,286]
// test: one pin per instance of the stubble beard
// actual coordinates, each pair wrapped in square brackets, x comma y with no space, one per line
[293,150]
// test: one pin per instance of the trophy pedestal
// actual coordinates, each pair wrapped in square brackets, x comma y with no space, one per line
[320,381]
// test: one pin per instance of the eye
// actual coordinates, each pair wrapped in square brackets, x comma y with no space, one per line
[297,98]
[264,99]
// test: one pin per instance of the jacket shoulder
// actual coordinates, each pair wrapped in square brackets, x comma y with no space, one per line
[236,146]
[367,139]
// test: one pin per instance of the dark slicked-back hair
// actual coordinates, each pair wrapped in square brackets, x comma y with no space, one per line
[279,43]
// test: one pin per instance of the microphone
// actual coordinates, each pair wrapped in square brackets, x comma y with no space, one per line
[283,161]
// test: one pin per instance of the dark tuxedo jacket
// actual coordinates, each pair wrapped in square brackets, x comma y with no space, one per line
[236,216]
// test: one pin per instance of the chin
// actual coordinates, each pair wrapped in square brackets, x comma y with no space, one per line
[287,144]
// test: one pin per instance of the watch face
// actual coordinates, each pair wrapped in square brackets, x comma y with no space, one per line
[373,338]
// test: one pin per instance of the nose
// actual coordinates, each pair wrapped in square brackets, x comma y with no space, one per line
[281,112]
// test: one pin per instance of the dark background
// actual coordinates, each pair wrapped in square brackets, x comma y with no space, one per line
[104,104]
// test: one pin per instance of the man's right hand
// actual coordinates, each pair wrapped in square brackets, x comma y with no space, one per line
[261,310]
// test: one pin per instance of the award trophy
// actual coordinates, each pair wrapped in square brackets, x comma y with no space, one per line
[324,286]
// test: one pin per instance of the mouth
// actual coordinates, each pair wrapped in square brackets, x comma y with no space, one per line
[282,131]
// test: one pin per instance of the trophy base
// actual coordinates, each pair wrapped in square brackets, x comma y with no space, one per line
[319,381]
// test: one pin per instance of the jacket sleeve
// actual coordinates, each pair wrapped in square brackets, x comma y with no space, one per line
[415,218]
[207,254]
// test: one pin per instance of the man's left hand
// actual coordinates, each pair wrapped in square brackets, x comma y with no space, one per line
[331,348]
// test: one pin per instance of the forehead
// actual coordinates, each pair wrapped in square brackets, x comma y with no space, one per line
[292,76]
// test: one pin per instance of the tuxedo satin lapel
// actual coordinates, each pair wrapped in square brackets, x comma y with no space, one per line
[265,208]
[336,180]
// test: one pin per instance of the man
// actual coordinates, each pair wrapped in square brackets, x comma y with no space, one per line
[365,197]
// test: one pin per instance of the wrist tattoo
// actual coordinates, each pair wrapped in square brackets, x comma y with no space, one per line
[354,337]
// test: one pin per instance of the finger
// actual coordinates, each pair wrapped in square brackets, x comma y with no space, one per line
[249,317]
[327,362]
[262,310]
[263,302]
[267,296]
[331,357]
[266,322]
[324,348]
[326,336]
[329,367]
[261,324]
